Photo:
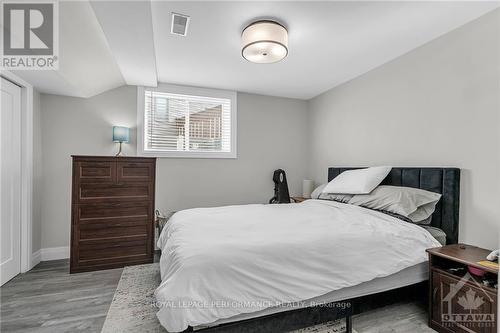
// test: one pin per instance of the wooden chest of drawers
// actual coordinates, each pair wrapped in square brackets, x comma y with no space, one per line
[112,222]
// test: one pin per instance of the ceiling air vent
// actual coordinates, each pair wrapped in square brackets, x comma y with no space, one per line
[180,24]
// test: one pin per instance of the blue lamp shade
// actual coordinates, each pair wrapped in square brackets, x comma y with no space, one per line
[121,134]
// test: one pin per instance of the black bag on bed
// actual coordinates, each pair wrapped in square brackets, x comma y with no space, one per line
[280,188]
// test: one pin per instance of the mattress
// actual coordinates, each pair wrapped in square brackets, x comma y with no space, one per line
[223,262]
[406,277]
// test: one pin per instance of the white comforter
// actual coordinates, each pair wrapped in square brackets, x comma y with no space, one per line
[220,262]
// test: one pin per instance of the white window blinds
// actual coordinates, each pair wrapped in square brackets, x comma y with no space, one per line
[186,123]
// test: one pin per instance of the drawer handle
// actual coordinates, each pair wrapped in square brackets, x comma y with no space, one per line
[118,184]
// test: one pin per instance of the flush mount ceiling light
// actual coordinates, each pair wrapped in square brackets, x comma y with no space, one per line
[264,42]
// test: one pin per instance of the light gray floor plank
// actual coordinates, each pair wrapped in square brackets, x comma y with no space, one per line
[398,318]
[49,299]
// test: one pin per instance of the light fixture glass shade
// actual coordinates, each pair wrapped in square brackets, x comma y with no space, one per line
[121,134]
[264,42]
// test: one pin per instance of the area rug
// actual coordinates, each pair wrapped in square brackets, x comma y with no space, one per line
[133,310]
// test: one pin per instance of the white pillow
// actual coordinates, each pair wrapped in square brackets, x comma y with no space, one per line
[317,191]
[318,194]
[359,181]
[422,214]
[413,203]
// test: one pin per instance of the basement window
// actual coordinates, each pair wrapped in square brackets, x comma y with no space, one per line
[177,121]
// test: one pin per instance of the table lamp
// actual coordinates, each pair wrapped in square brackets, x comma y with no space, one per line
[120,134]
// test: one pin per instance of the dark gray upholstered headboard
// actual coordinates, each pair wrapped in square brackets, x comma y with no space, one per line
[441,180]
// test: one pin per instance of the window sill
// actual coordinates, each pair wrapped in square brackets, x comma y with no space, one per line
[160,154]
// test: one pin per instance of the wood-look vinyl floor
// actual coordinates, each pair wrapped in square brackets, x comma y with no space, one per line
[49,299]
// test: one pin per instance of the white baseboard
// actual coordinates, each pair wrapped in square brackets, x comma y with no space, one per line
[54,253]
[36,257]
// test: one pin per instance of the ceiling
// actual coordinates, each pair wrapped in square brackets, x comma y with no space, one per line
[106,44]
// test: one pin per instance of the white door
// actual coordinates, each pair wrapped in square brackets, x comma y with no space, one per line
[10,181]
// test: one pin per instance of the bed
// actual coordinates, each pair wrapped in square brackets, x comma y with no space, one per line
[257,268]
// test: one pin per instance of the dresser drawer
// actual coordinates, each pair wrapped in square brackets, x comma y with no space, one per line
[110,263]
[102,212]
[134,171]
[130,191]
[93,250]
[94,172]
[112,228]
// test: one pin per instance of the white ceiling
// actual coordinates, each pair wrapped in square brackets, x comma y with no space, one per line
[105,44]
[86,65]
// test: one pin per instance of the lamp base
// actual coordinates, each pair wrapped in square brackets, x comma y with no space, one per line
[119,153]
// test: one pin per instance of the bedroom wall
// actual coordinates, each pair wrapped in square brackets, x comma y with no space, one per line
[36,232]
[435,106]
[271,134]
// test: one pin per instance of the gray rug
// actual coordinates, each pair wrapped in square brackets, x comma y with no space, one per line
[132,308]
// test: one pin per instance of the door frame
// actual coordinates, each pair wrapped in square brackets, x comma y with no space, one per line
[28,261]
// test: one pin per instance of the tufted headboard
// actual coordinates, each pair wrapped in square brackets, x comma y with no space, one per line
[441,180]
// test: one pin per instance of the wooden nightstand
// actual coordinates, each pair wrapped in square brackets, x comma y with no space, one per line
[299,199]
[458,300]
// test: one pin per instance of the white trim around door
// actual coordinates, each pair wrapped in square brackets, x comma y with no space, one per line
[27,258]
[10,167]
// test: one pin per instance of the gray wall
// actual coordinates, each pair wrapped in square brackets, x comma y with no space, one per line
[36,231]
[271,134]
[435,106]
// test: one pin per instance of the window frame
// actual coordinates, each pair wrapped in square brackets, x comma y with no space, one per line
[186,90]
